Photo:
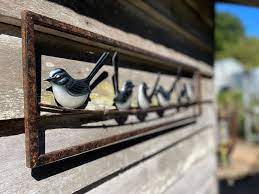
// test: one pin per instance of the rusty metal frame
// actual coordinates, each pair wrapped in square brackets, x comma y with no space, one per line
[35,154]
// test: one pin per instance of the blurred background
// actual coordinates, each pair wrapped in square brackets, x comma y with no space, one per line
[237,86]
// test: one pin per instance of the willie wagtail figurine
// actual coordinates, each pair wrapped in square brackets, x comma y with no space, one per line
[122,99]
[74,93]
[185,94]
[145,99]
[164,96]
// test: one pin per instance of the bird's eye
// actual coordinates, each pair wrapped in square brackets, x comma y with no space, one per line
[57,76]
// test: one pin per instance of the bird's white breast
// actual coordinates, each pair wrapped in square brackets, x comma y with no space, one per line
[142,100]
[162,101]
[124,106]
[190,92]
[65,99]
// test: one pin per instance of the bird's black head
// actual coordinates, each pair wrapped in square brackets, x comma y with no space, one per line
[128,86]
[58,76]
[160,89]
[145,87]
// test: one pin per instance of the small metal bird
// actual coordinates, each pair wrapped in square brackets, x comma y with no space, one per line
[145,99]
[185,94]
[164,96]
[74,93]
[123,97]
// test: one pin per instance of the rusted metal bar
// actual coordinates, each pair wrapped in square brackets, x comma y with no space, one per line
[16,126]
[131,111]
[31,108]
[74,150]
[11,127]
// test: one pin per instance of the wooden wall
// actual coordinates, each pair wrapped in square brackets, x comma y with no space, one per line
[178,161]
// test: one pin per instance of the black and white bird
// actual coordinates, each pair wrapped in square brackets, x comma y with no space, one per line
[163,95]
[75,93]
[123,97]
[185,94]
[145,99]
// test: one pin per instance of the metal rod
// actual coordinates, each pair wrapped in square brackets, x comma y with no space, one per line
[78,149]
[16,126]
[131,111]
[31,110]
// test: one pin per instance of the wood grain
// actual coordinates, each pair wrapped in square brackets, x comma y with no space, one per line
[10,13]
[162,164]
[171,25]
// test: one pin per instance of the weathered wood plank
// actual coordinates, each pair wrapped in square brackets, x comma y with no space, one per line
[15,177]
[168,169]
[204,9]
[193,16]
[196,179]
[171,25]
[10,13]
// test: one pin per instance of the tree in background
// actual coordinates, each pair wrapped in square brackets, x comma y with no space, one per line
[232,42]
[229,30]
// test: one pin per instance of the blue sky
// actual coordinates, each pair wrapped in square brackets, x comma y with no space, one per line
[249,16]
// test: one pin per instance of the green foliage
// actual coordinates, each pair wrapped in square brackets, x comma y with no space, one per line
[246,51]
[231,41]
[231,99]
[228,30]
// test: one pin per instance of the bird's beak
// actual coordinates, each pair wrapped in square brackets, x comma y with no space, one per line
[48,79]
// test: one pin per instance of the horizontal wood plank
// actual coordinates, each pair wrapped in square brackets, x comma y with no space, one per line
[171,25]
[11,14]
[166,170]
[15,177]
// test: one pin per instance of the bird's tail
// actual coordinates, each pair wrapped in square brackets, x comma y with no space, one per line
[155,86]
[99,79]
[97,67]
[115,77]
[178,77]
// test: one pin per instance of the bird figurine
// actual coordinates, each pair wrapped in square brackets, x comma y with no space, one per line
[164,96]
[123,97]
[185,94]
[75,93]
[145,99]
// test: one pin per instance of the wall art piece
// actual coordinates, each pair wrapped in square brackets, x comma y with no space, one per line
[132,99]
